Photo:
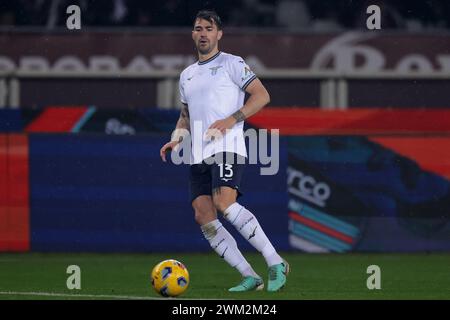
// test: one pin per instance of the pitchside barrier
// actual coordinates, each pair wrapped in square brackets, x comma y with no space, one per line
[87,179]
[326,89]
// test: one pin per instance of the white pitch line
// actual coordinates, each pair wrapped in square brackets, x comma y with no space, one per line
[54,294]
[104,296]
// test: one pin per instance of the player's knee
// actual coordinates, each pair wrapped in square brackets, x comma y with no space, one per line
[203,215]
[222,203]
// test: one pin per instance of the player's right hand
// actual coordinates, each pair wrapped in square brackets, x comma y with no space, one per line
[167,147]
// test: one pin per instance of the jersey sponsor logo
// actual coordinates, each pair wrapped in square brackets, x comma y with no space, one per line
[214,70]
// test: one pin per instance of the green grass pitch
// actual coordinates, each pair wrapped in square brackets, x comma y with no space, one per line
[321,276]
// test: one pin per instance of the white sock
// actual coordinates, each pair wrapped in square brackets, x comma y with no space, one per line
[225,245]
[247,224]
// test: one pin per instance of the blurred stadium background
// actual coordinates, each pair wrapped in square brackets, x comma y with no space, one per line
[363,115]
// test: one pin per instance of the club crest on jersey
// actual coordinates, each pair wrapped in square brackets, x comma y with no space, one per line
[214,70]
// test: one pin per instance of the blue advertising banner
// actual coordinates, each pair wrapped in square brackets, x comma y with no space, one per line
[348,193]
[114,194]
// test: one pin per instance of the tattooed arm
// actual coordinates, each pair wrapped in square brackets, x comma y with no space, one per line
[182,125]
[259,97]
[183,120]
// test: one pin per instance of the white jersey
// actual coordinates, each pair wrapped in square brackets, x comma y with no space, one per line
[213,90]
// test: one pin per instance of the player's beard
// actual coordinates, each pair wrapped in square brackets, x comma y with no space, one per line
[206,49]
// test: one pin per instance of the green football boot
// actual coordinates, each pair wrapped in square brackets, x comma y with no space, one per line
[248,284]
[277,276]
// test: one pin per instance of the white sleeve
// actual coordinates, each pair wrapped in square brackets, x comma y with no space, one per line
[181,88]
[240,72]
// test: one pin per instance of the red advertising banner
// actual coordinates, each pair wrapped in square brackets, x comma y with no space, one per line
[14,193]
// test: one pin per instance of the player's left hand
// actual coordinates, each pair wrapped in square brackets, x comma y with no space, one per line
[223,125]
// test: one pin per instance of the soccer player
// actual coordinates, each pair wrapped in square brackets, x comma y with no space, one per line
[212,91]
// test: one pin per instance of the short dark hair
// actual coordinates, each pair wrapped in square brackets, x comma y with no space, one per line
[211,16]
